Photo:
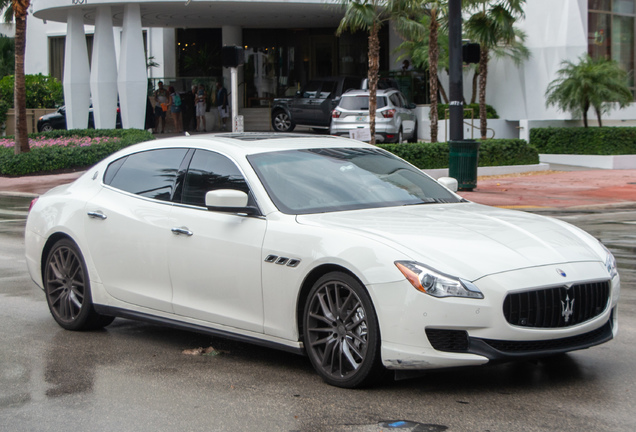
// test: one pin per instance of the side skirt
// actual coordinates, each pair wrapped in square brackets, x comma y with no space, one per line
[138,316]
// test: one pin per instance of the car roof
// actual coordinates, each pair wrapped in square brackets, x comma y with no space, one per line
[242,144]
[366,92]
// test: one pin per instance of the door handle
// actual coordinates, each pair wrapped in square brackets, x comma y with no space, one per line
[96,215]
[182,230]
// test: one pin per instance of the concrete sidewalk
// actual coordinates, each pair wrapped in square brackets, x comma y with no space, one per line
[541,190]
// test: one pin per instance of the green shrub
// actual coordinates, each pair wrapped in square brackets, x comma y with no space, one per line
[496,152]
[491,113]
[584,141]
[74,155]
[42,91]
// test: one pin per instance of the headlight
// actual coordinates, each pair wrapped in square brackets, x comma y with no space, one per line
[610,263]
[435,283]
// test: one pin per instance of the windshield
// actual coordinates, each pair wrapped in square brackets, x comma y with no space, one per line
[336,179]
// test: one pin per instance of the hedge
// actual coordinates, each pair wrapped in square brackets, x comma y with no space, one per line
[72,154]
[495,152]
[584,141]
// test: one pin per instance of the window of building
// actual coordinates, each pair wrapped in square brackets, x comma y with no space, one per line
[57,47]
[611,32]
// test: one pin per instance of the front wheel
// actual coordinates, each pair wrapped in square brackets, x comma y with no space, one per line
[341,332]
[281,122]
[46,127]
[67,289]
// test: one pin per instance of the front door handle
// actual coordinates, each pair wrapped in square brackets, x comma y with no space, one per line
[96,215]
[181,231]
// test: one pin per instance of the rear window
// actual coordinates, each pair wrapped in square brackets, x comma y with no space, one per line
[360,103]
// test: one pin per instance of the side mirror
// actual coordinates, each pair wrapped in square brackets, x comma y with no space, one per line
[411,106]
[448,183]
[299,93]
[229,201]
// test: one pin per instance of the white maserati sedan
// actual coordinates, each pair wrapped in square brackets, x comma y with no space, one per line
[321,246]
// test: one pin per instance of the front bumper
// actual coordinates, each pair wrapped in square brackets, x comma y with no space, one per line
[422,332]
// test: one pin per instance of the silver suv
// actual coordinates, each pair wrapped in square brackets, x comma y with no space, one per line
[395,119]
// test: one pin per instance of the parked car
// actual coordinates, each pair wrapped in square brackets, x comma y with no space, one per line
[312,105]
[317,245]
[57,120]
[395,119]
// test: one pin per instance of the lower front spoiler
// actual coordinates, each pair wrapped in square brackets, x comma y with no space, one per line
[498,350]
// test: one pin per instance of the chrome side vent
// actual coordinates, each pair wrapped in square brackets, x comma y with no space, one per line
[283,261]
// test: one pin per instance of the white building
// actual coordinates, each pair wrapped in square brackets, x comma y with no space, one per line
[288,42]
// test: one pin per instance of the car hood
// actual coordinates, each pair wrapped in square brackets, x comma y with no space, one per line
[467,240]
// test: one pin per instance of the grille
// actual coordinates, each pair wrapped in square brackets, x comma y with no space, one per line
[448,340]
[557,307]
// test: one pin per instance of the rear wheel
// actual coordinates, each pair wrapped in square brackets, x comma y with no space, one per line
[341,332]
[67,289]
[281,122]
[400,137]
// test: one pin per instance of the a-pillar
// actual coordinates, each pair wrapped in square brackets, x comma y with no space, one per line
[76,79]
[104,71]
[132,81]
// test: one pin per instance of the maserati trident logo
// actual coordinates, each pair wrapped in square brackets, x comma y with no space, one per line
[561,272]
[567,308]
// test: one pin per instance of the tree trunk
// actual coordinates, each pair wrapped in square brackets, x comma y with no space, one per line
[433,55]
[586,107]
[598,116]
[483,77]
[442,92]
[19,91]
[374,67]
[473,97]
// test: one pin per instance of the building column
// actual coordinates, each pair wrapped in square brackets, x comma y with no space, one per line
[132,81]
[76,73]
[104,71]
[233,36]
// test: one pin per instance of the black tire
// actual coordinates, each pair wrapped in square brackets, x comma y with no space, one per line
[46,127]
[413,138]
[67,289]
[400,137]
[281,122]
[341,332]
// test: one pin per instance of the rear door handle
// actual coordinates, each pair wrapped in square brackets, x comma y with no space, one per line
[181,231]
[96,215]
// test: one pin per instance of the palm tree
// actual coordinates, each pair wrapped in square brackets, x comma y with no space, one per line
[492,26]
[370,16]
[425,52]
[596,83]
[17,9]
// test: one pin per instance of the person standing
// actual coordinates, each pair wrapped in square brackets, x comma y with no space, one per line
[175,110]
[221,103]
[162,98]
[200,108]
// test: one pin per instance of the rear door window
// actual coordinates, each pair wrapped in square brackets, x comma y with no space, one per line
[151,174]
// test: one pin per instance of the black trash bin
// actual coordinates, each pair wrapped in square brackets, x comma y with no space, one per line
[462,164]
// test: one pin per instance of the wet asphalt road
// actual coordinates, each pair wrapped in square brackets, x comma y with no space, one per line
[134,377]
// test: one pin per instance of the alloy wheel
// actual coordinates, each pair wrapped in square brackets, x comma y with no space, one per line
[337,333]
[65,283]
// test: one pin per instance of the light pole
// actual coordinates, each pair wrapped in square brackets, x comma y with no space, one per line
[456,85]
